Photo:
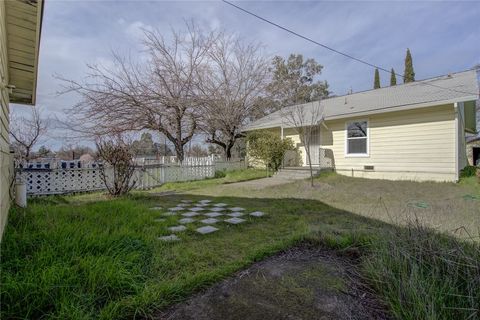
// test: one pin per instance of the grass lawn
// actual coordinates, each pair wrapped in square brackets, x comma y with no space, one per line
[450,207]
[84,257]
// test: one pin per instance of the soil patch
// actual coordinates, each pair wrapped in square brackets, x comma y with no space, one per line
[300,283]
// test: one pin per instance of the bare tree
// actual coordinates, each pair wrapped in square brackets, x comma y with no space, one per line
[160,94]
[117,164]
[237,74]
[305,119]
[26,132]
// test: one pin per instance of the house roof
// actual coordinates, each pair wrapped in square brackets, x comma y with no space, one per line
[24,23]
[455,87]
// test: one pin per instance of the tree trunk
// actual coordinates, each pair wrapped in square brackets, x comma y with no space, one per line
[179,151]
[311,169]
[228,150]
[27,153]
[307,150]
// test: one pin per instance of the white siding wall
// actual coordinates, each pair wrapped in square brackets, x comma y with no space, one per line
[405,145]
[5,158]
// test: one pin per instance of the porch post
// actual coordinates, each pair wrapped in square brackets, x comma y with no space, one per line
[281,132]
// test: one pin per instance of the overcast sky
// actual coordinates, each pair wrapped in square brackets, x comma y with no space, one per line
[442,36]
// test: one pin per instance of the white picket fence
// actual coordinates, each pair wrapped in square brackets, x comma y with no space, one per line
[68,180]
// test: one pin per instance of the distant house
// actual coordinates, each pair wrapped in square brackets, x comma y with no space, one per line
[20,26]
[413,131]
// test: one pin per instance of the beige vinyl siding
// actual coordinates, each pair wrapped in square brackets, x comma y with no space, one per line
[5,158]
[405,145]
[292,134]
[462,160]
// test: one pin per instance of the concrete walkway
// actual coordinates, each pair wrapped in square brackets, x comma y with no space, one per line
[261,183]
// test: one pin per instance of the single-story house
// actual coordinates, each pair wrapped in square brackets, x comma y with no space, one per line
[473,151]
[20,26]
[412,131]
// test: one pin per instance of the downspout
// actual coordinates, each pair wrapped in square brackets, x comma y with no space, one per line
[457,160]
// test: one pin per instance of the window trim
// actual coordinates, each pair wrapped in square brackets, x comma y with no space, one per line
[357,155]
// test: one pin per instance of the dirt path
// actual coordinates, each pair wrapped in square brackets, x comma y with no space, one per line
[301,283]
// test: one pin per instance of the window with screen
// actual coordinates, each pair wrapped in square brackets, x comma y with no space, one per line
[357,138]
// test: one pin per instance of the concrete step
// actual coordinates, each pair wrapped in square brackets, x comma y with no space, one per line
[295,173]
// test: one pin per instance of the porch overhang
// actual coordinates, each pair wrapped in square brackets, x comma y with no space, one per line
[23,24]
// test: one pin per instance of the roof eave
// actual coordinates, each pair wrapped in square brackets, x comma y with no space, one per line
[372,112]
[403,107]
[27,96]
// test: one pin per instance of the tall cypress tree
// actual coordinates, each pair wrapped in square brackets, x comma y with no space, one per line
[376,80]
[393,78]
[408,74]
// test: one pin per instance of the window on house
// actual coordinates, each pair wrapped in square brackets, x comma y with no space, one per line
[357,138]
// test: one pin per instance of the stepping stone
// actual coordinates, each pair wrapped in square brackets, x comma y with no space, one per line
[197,209]
[177,209]
[169,238]
[216,209]
[156,208]
[235,214]
[186,220]
[205,201]
[200,204]
[183,205]
[220,205]
[235,220]
[159,220]
[257,214]
[186,201]
[190,214]
[206,229]
[212,214]
[236,209]
[177,228]
[169,214]
[210,221]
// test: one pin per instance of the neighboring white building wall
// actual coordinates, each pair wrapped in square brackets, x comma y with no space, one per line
[405,145]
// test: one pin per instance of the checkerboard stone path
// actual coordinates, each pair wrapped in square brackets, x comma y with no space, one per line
[169,238]
[257,214]
[220,205]
[213,214]
[186,220]
[207,229]
[235,220]
[206,212]
[210,221]
[236,209]
[177,228]
[190,214]
[235,214]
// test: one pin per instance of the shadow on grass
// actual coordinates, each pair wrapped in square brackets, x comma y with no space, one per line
[103,260]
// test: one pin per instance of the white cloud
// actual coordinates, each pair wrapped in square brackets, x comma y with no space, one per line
[136,29]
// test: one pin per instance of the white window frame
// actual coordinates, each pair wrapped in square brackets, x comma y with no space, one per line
[357,155]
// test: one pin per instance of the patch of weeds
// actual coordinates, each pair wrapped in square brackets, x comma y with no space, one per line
[422,274]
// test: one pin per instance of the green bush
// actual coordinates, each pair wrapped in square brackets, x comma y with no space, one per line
[468,171]
[268,147]
[220,174]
